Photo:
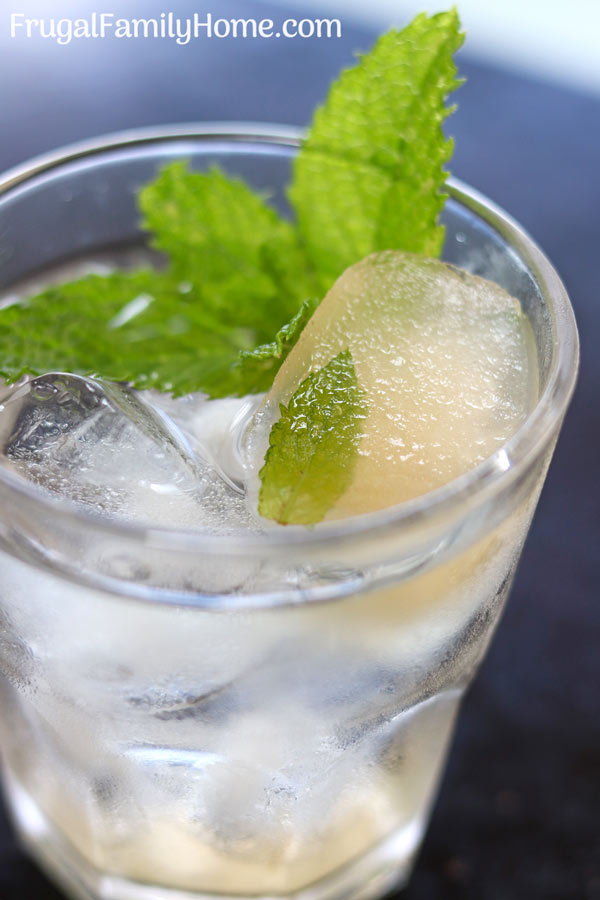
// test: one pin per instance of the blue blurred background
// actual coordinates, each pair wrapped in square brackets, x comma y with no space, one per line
[517,817]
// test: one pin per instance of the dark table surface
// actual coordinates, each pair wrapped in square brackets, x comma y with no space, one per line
[518,815]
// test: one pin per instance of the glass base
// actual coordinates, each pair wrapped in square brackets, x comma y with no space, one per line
[387,866]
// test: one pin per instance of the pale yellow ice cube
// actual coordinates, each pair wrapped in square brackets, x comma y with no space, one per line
[447,363]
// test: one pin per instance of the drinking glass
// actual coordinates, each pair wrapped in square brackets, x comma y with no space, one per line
[187,714]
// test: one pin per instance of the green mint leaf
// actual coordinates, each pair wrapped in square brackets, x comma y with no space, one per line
[370,173]
[141,327]
[240,255]
[313,445]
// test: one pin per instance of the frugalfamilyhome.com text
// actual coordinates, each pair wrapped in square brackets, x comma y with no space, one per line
[168,26]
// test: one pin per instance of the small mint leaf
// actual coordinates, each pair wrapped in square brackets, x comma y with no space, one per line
[313,446]
[255,370]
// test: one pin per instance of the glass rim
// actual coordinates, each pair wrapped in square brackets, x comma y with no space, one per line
[475,485]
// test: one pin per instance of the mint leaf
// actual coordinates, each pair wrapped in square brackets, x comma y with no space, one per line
[244,260]
[312,447]
[142,327]
[370,173]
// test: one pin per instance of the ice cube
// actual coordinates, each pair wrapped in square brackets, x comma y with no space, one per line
[101,444]
[214,428]
[446,362]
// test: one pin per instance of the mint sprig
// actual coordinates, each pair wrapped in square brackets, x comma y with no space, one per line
[220,318]
[240,282]
[312,446]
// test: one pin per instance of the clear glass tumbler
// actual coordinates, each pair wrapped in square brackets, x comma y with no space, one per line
[187,714]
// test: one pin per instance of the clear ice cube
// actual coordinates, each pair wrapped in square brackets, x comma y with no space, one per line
[214,429]
[101,444]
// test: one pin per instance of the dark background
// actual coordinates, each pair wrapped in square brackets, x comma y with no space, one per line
[519,812]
